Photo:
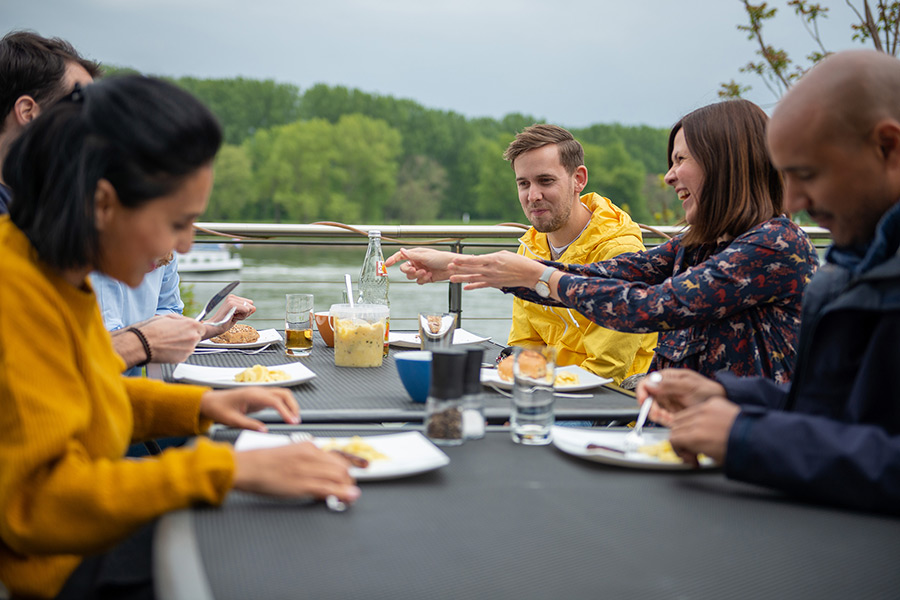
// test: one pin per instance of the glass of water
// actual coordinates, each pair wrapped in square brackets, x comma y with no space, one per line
[531,418]
[298,320]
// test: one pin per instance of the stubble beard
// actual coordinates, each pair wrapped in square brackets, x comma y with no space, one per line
[557,220]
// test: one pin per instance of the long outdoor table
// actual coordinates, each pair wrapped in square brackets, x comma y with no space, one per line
[350,395]
[507,521]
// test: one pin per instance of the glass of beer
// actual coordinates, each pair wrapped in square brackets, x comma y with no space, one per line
[298,324]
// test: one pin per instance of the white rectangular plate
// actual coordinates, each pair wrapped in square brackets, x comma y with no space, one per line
[408,453]
[586,379]
[266,336]
[461,337]
[223,377]
[574,441]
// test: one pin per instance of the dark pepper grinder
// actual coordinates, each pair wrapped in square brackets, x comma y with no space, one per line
[444,407]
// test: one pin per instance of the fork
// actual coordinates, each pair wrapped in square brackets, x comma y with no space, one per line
[237,350]
[331,501]
[634,439]
[503,392]
[224,319]
[500,391]
[214,301]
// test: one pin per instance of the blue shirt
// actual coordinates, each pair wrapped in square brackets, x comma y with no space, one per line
[5,197]
[122,305]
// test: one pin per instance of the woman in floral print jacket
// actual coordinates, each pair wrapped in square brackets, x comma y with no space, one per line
[725,294]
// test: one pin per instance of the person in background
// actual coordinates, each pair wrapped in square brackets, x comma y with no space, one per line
[724,295]
[110,180]
[158,297]
[35,73]
[833,434]
[572,228]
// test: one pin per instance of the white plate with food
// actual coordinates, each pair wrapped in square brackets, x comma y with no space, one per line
[461,337]
[284,375]
[608,446]
[266,337]
[390,456]
[570,379]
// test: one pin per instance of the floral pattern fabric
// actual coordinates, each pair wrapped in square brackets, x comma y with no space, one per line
[732,306]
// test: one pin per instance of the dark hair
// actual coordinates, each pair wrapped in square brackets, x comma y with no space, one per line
[143,135]
[741,188]
[571,154]
[31,65]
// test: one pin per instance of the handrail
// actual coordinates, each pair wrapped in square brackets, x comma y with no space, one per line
[454,237]
[396,233]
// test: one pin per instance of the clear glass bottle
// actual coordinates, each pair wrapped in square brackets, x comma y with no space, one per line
[444,406]
[472,400]
[373,281]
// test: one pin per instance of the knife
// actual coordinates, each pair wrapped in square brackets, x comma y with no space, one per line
[606,448]
[214,301]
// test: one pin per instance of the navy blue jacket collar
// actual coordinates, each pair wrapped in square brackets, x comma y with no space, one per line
[859,259]
[5,197]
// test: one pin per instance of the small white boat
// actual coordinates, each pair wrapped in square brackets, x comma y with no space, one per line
[209,258]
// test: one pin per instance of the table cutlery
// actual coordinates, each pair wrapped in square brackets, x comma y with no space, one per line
[634,439]
[236,350]
[223,320]
[500,391]
[559,394]
[331,501]
[606,448]
[214,301]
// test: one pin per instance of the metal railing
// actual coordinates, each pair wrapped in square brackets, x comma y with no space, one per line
[319,233]
[457,238]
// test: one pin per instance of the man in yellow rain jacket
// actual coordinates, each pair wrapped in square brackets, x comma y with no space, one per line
[570,228]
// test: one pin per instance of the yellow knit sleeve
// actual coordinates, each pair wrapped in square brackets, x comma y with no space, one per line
[165,409]
[81,505]
[66,421]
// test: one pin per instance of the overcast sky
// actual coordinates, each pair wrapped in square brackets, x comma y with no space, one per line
[571,62]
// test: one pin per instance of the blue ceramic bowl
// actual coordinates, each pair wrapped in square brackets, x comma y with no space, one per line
[414,368]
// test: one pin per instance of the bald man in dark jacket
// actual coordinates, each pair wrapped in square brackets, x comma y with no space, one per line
[833,434]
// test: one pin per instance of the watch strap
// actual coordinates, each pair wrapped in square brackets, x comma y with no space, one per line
[545,276]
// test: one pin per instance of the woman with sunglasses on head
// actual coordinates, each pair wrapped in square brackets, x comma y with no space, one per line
[111,180]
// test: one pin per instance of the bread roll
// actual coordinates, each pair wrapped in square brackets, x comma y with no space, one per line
[532,364]
[239,334]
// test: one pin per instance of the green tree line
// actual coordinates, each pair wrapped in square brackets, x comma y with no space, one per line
[340,154]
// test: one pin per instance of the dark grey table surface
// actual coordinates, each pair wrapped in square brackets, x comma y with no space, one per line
[377,395]
[506,521]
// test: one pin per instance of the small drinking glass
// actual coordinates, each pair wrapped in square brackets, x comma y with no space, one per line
[531,418]
[298,324]
[436,330]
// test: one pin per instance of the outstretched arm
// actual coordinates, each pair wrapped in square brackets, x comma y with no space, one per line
[423,265]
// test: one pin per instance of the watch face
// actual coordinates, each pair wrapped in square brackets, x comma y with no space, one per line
[542,289]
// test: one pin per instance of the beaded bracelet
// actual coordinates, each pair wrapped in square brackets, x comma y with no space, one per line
[144,343]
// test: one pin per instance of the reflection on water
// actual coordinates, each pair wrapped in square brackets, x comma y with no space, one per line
[270,272]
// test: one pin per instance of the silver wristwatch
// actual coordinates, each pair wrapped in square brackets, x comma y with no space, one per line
[542,287]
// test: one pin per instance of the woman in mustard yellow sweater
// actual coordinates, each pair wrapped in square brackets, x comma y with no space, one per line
[110,179]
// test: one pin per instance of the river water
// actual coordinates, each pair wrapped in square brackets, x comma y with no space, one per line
[270,272]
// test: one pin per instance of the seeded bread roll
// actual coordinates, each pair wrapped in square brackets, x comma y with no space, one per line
[239,334]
